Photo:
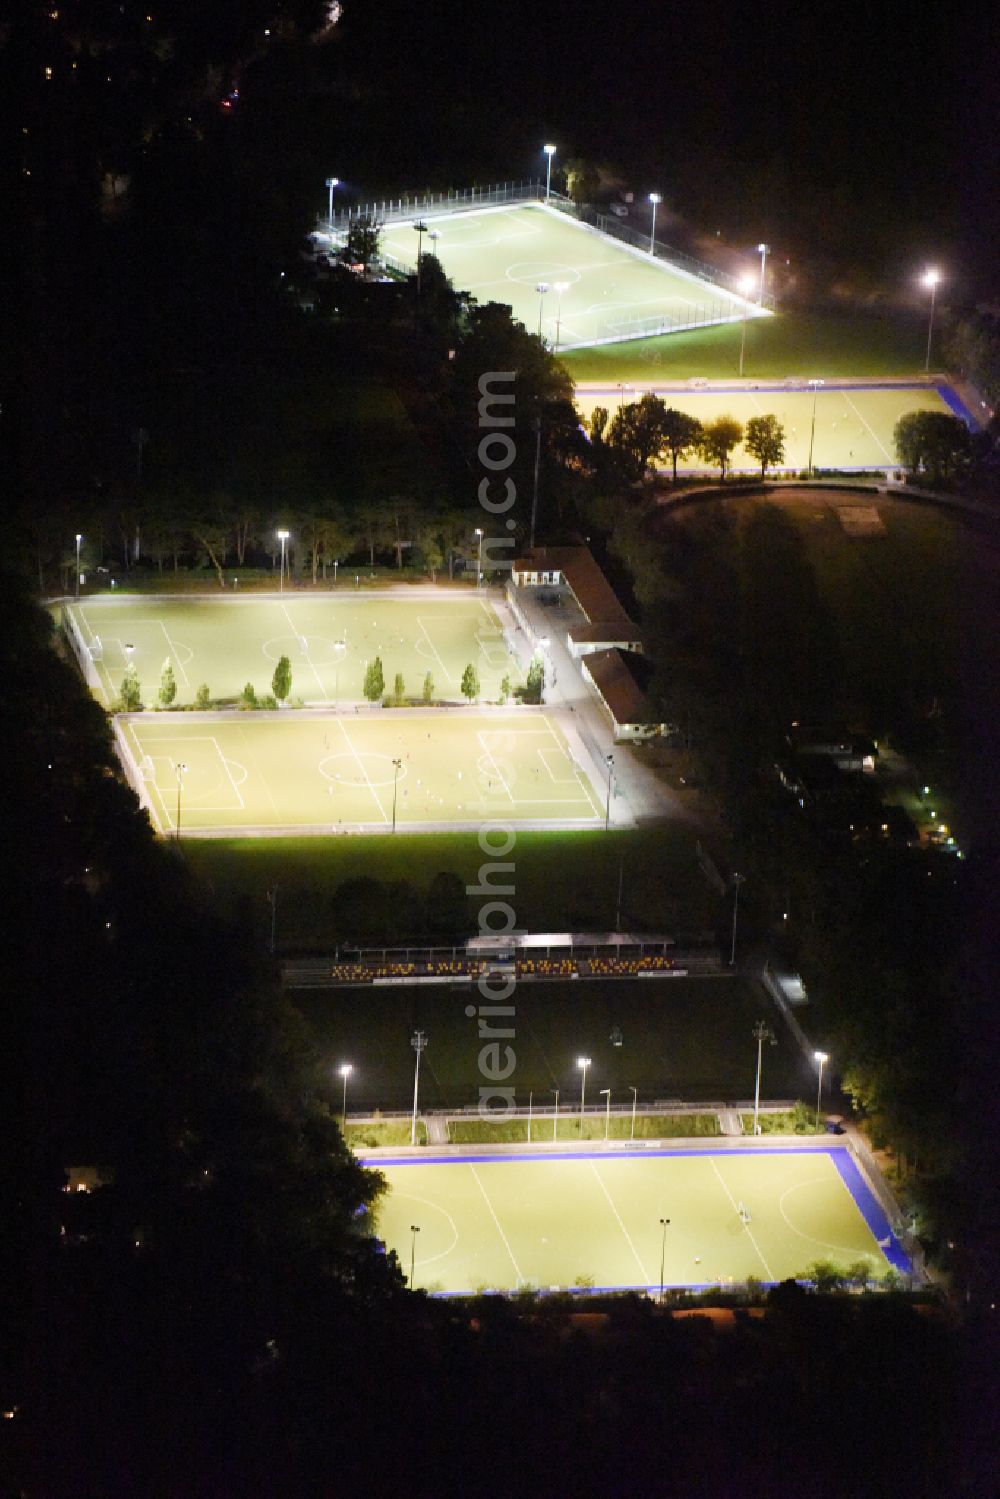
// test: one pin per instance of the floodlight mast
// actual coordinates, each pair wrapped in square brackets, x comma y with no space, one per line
[812,429]
[79,539]
[822,1057]
[654,198]
[930,278]
[583,1063]
[282,537]
[331,183]
[418,1041]
[762,251]
[550,151]
[746,287]
[345,1071]
[541,289]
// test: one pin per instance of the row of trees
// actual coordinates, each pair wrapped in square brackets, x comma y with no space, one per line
[646,431]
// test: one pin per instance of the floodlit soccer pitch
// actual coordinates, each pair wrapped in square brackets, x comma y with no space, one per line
[226,642]
[326,773]
[612,291]
[854,424]
[555,1221]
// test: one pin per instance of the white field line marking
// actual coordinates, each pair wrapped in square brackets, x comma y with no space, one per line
[225,762]
[248,747]
[299,636]
[361,766]
[172,649]
[811,1238]
[746,1226]
[628,1236]
[437,1208]
[589,793]
[139,755]
[427,636]
[481,736]
[862,418]
[496,1220]
[542,754]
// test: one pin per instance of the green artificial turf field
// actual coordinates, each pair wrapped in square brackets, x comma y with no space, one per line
[555,1221]
[227,642]
[853,424]
[610,290]
[331,773]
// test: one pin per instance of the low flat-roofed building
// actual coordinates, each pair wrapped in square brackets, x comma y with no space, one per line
[615,676]
[606,622]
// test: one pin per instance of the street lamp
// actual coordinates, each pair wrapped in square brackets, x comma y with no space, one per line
[583,1063]
[607,1114]
[181,770]
[397,766]
[339,652]
[555,1115]
[654,198]
[738,880]
[746,287]
[331,183]
[414,1230]
[665,1222]
[762,1032]
[479,561]
[607,809]
[530,1097]
[930,278]
[434,235]
[420,229]
[79,538]
[762,251]
[345,1069]
[635,1095]
[812,430]
[541,289]
[282,537]
[550,151]
[560,287]
[822,1057]
[418,1041]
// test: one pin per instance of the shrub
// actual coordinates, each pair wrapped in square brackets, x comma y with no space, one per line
[201,698]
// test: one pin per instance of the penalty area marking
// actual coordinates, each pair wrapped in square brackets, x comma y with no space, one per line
[811,1238]
[437,1208]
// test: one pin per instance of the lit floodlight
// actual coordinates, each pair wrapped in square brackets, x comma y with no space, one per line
[821,1056]
[747,282]
[549,150]
[345,1069]
[655,198]
[931,277]
[583,1062]
[282,535]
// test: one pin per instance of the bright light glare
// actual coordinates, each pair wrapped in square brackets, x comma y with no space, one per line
[931,277]
[583,1062]
[655,198]
[549,150]
[821,1056]
[282,535]
[748,282]
[345,1069]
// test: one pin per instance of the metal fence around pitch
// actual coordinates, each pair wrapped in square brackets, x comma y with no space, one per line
[81,651]
[615,229]
[413,205]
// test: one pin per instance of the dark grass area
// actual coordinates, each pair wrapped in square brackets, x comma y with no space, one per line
[916,615]
[682,1039]
[563,881]
[791,343]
